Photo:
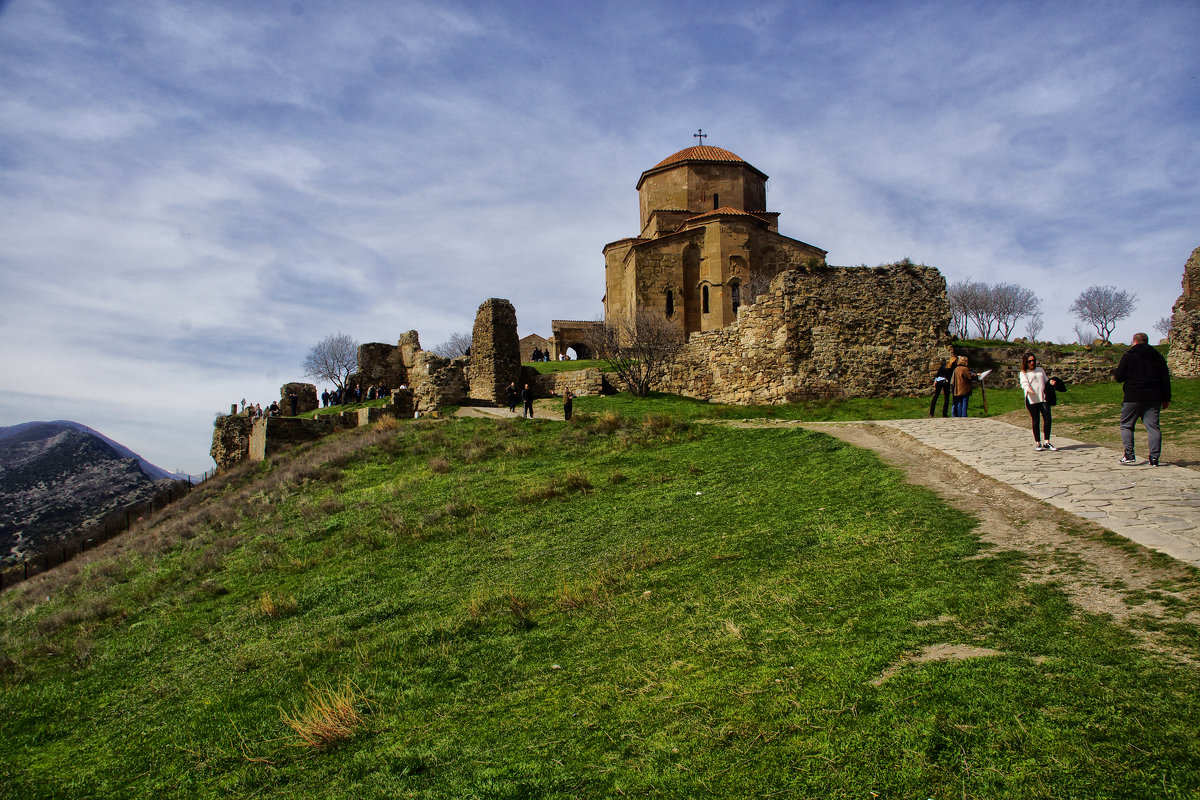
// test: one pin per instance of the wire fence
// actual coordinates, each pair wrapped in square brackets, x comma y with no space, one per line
[57,553]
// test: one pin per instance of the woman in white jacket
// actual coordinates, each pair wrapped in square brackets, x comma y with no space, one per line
[1033,383]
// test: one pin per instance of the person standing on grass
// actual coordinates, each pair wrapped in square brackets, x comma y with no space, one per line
[960,385]
[527,397]
[1034,384]
[567,398]
[941,385]
[1147,383]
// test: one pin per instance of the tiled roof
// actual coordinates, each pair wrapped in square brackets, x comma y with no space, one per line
[699,153]
[728,210]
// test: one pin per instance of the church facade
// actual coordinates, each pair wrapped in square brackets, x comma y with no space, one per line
[706,245]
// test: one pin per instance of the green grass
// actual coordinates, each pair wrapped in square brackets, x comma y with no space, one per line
[629,604]
[548,367]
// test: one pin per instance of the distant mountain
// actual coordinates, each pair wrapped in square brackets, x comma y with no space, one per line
[57,477]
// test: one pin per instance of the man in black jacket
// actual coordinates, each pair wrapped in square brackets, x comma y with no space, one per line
[1147,382]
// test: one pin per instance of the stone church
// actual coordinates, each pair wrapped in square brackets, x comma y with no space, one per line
[707,240]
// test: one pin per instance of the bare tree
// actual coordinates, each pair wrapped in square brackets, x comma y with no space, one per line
[1103,307]
[333,359]
[958,293]
[1164,326]
[1083,335]
[971,302]
[1033,325]
[457,345]
[638,349]
[1009,303]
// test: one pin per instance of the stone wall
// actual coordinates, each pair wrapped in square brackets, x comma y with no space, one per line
[272,434]
[380,365]
[495,351]
[1074,366]
[823,331]
[437,382]
[1184,358]
[306,398]
[581,382]
[231,440]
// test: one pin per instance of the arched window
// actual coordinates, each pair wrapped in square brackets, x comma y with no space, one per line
[704,299]
[735,295]
[670,302]
[716,201]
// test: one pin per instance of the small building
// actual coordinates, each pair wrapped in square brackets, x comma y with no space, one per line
[530,343]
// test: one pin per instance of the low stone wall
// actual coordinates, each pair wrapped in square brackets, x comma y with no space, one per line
[272,434]
[823,331]
[581,382]
[437,382]
[1076,366]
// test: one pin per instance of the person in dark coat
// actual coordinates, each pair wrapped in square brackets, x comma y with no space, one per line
[293,399]
[568,397]
[527,397]
[941,385]
[513,396]
[1147,384]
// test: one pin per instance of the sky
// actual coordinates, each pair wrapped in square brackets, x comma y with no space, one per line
[194,193]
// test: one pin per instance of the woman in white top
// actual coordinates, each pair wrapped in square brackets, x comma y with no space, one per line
[1033,383]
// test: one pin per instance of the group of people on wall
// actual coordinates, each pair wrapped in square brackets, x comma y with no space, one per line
[1142,372]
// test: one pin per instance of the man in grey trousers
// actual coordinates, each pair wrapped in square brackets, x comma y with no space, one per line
[1147,381]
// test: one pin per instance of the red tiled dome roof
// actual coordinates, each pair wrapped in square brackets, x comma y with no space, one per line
[699,153]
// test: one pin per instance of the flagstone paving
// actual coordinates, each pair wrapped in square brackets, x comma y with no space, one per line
[1158,507]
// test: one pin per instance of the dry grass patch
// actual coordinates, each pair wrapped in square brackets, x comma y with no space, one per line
[439,465]
[330,716]
[276,606]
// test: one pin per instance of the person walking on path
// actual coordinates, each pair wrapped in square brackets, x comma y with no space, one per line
[1147,383]
[960,385]
[513,395]
[527,398]
[941,386]
[567,398]
[1034,383]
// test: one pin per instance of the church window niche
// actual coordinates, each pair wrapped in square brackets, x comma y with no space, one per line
[716,201]
[704,299]
[670,303]
[735,295]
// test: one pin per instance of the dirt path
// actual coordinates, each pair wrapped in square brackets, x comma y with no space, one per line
[1136,588]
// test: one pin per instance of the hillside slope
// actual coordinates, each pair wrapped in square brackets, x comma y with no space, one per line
[56,477]
[614,606]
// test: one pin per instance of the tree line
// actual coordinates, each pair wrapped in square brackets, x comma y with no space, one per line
[995,310]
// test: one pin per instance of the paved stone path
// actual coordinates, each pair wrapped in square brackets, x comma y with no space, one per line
[1158,507]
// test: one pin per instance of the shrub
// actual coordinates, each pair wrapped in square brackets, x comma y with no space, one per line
[280,606]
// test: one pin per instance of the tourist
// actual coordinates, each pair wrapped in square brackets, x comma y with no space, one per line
[960,385]
[273,409]
[293,400]
[567,398]
[527,398]
[537,355]
[513,396]
[1147,383]
[1036,387]
[941,386]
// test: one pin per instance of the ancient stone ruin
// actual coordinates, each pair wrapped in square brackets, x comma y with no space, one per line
[1184,356]
[306,398]
[495,351]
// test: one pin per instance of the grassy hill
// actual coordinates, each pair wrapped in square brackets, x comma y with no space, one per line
[629,604]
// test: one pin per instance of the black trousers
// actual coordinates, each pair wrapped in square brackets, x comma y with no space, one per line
[942,388]
[1039,410]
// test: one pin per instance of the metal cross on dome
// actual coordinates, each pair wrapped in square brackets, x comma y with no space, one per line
[700,134]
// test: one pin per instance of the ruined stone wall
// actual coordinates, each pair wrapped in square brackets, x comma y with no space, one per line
[581,382]
[437,382]
[1184,357]
[231,440]
[823,332]
[380,365]
[1074,366]
[306,398]
[272,434]
[495,351]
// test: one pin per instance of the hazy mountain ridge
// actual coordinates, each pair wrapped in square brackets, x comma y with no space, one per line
[58,477]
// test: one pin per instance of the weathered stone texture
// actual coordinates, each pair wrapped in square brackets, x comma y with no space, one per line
[1081,366]
[272,434]
[1184,356]
[380,365]
[823,332]
[495,358]
[581,382]
[437,382]
[231,440]
[306,398]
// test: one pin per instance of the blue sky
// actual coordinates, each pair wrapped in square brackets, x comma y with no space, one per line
[194,193]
